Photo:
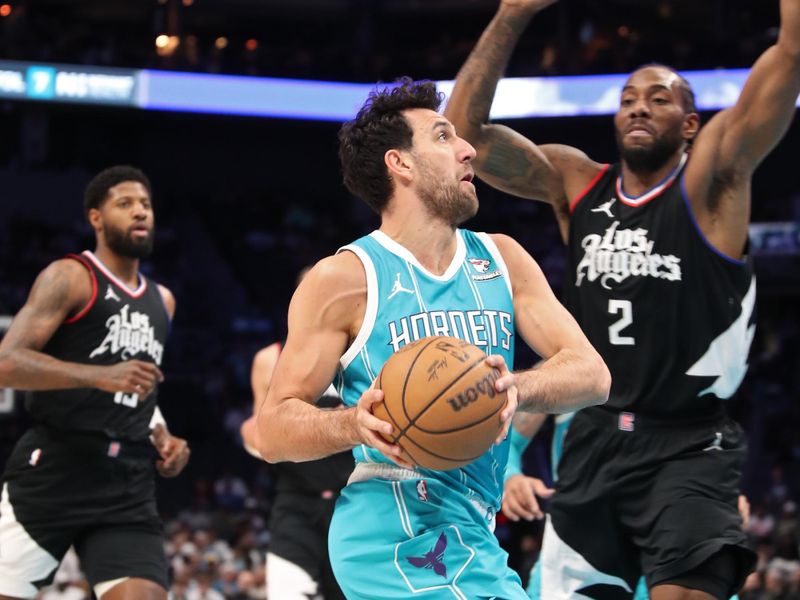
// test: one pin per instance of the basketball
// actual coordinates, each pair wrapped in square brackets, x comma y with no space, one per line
[439,396]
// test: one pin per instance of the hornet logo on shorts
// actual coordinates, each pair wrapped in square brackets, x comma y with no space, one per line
[432,559]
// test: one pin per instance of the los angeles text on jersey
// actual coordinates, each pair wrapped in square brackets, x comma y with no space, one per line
[621,253]
[478,327]
[130,333]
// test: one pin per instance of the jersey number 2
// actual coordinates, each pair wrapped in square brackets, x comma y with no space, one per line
[625,309]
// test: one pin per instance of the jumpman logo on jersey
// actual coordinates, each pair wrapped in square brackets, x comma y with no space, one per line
[605,208]
[432,559]
[716,444]
[111,294]
[397,288]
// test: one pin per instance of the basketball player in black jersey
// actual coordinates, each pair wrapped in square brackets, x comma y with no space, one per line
[298,566]
[660,279]
[88,343]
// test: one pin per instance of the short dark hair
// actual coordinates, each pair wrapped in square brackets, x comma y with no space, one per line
[97,190]
[378,127]
[689,102]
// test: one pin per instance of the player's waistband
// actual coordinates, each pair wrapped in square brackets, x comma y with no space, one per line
[367,471]
[95,443]
[632,421]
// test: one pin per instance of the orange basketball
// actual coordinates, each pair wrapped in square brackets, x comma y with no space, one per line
[440,397]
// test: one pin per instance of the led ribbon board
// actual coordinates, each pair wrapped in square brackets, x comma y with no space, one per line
[516,98]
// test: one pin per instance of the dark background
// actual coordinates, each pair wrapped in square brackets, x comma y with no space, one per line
[242,204]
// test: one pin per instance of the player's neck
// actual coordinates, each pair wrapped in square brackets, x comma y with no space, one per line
[432,242]
[125,268]
[636,183]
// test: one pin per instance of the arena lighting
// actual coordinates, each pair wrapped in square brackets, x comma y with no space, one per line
[516,98]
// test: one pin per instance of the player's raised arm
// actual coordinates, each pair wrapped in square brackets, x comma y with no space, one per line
[572,374]
[736,140]
[506,159]
[324,316]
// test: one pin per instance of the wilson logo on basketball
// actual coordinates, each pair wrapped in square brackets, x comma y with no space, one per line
[482,388]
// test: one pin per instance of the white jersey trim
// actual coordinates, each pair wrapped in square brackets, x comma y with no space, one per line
[372,306]
[655,191]
[403,252]
[498,258]
[107,272]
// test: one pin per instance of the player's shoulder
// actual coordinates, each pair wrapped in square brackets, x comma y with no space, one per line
[168,297]
[341,270]
[64,284]
[506,245]
[522,267]
[335,289]
[267,356]
[66,274]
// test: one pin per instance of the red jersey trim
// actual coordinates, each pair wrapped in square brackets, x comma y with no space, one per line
[586,190]
[137,293]
[90,304]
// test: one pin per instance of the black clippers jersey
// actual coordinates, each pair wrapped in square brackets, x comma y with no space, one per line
[672,317]
[118,324]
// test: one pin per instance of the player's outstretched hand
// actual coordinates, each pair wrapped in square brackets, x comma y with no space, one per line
[519,497]
[132,377]
[744,510]
[174,452]
[533,6]
[370,428]
[505,383]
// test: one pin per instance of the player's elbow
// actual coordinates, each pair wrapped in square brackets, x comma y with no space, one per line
[265,439]
[602,380]
[6,369]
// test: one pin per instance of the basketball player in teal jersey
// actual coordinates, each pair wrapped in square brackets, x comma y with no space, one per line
[399,530]
[661,280]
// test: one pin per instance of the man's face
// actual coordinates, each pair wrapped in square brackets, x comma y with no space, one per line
[127,220]
[442,171]
[652,123]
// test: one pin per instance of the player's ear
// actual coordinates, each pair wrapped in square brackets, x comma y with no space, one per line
[95,219]
[398,163]
[691,125]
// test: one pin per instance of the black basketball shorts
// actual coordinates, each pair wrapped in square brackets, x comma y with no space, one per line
[62,489]
[639,497]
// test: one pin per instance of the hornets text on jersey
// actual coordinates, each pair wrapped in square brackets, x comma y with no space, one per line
[471,300]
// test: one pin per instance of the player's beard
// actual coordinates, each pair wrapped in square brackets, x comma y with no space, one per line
[647,159]
[124,244]
[448,201]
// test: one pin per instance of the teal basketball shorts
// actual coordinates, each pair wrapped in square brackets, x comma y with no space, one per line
[408,538]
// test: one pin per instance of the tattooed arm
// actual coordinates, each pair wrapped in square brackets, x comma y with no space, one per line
[61,291]
[506,159]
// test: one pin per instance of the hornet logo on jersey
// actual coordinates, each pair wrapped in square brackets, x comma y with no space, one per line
[111,294]
[605,208]
[398,288]
[433,558]
[130,333]
[481,265]
[621,253]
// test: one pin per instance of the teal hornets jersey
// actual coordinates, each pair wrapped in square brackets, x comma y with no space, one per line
[471,300]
